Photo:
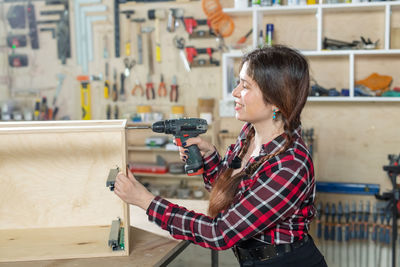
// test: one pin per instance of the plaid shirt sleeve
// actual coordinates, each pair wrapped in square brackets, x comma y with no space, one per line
[271,202]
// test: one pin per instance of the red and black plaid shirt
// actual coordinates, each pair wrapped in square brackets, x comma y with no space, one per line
[274,205]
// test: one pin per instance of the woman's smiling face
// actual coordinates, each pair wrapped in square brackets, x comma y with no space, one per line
[250,105]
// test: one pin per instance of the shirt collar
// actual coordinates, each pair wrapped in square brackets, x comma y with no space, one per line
[270,147]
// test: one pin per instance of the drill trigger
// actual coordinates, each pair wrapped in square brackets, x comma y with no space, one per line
[178,142]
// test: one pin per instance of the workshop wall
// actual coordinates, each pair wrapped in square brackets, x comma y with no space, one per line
[39,78]
[352,139]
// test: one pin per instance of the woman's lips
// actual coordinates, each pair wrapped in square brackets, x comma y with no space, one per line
[238,106]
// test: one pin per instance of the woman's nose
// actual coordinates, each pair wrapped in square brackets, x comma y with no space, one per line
[236,90]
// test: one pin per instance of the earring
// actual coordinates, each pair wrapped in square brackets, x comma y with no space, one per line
[274,114]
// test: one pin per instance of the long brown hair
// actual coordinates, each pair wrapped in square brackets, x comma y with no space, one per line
[283,77]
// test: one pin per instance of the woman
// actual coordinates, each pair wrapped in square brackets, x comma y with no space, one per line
[263,190]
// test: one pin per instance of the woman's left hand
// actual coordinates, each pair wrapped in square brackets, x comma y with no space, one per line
[131,191]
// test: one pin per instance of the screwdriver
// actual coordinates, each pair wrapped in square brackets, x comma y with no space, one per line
[326,228]
[374,235]
[115,90]
[244,38]
[319,224]
[106,84]
[333,228]
[360,228]
[354,229]
[339,232]
[347,230]
[366,226]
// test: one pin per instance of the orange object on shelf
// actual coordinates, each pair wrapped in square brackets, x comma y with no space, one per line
[376,82]
[220,22]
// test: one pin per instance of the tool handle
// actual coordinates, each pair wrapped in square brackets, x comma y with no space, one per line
[347,233]
[354,232]
[333,231]
[194,163]
[319,229]
[339,234]
[173,95]
[140,49]
[387,236]
[374,233]
[362,231]
[122,90]
[382,235]
[184,60]
[114,95]
[326,231]
[106,89]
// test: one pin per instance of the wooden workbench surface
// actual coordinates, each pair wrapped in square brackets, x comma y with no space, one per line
[147,249]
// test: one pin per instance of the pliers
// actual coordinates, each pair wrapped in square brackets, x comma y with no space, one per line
[136,87]
[162,91]
[173,95]
[149,89]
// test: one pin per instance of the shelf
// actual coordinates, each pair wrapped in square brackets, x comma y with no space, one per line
[299,9]
[167,175]
[352,99]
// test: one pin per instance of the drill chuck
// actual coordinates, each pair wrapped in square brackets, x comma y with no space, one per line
[158,127]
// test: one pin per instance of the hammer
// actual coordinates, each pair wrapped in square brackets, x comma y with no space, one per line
[139,39]
[148,30]
[157,15]
[128,14]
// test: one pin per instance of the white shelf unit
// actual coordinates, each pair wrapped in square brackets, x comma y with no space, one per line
[319,10]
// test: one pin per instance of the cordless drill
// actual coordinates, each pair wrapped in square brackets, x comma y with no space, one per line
[183,129]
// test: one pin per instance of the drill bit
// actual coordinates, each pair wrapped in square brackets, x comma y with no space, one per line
[138,127]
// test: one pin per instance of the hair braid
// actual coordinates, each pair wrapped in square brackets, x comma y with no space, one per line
[225,187]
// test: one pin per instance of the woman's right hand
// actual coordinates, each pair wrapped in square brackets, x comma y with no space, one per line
[205,147]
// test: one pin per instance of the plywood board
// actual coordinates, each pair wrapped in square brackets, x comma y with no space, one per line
[54,175]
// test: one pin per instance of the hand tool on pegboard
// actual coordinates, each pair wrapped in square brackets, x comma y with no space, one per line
[116,112]
[139,38]
[157,15]
[138,86]
[117,28]
[106,82]
[122,95]
[85,97]
[60,78]
[129,64]
[128,31]
[191,24]
[174,15]
[33,31]
[150,94]
[83,11]
[174,93]
[106,53]
[180,44]
[114,93]
[162,90]
[148,30]
[192,52]
[108,112]
[243,39]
